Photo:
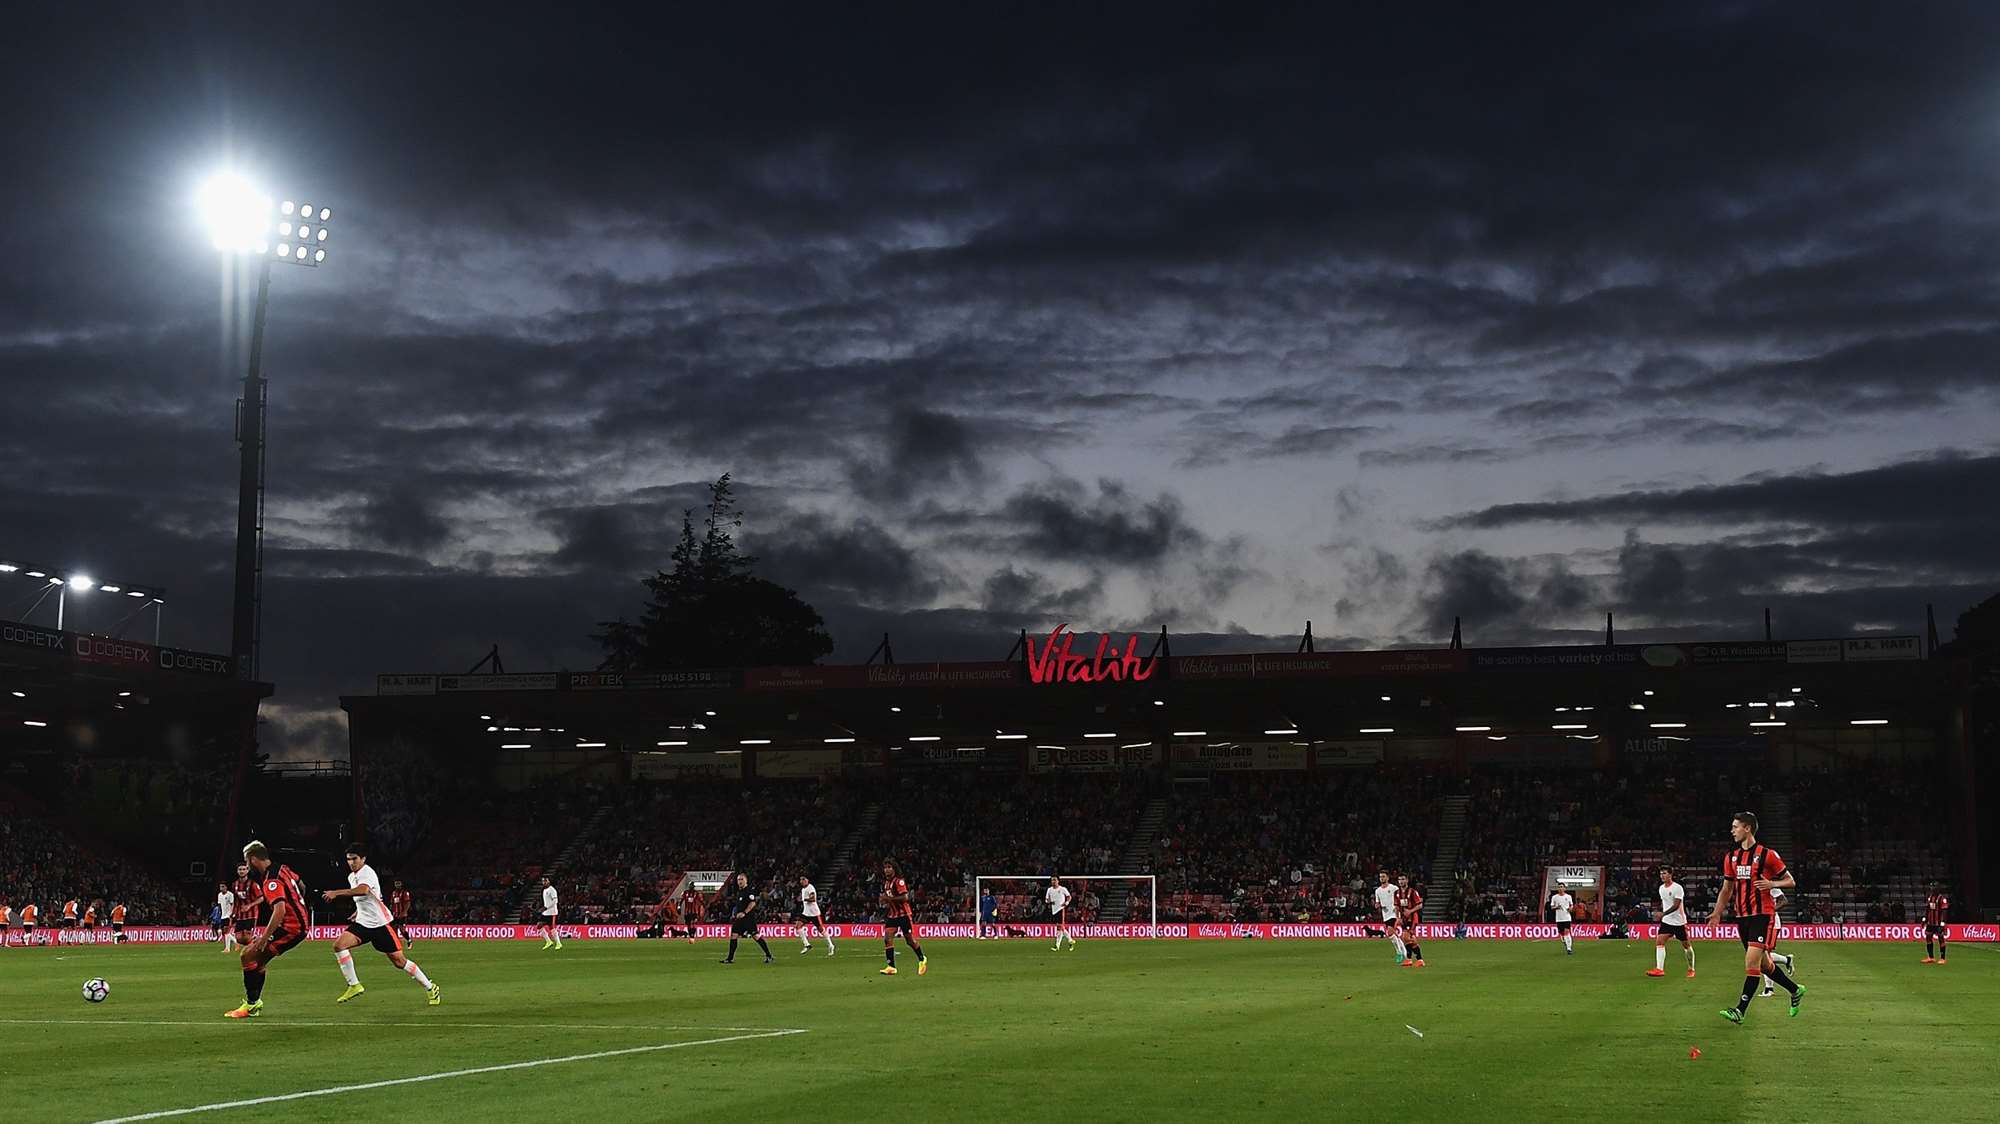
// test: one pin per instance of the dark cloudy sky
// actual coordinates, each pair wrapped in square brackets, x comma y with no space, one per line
[1220,318]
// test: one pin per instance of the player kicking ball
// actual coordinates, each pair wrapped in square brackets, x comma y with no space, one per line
[281,911]
[1673,923]
[1057,899]
[1749,873]
[373,925]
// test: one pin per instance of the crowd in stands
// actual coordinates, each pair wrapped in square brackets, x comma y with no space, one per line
[43,862]
[1875,847]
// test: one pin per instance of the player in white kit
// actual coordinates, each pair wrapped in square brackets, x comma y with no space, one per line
[1562,903]
[373,926]
[551,932]
[1673,923]
[1385,905]
[225,904]
[810,918]
[1057,897]
[1785,958]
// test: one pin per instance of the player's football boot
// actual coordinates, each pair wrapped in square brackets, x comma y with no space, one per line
[1690,973]
[805,948]
[1420,963]
[1798,996]
[889,971]
[1409,963]
[1930,959]
[353,992]
[1733,1015]
[246,1011]
[433,996]
[1656,971]
[923,965]
[547,945]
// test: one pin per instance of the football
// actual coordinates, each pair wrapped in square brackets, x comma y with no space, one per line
[96,991]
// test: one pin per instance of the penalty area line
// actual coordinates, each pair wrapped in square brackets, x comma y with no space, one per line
[447,1075]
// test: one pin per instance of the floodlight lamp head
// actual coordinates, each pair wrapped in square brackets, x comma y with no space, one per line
[81,583]
[234,213]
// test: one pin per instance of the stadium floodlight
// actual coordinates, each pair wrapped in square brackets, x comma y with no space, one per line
[112,588]
[81,583]
[36,574]
[515,745]
[1668,725]
[590,745]
[1648,693]
[1797,690]
[837,741]
[1569,726]
[895,710]
[1159,702]
[1190,733]
[1496,737]
[1472,729]
[19,694]
[1635,706]
[1110,735]
[926,738]
[1010,737]
[710,713]
[1868,722]
[669,743]
[1767,724]
[32,722]
[1386,698]
[8,567]
[755,741]
[729,753]
[1283,730]
[1378,729]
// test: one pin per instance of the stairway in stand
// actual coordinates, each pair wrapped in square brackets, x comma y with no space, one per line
[1137,859]
[843,855]
[1451,841]
[528,902]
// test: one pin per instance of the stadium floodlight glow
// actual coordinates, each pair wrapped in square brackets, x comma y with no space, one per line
[1771,723]
[669,743]
[590,745]
[1112,735]
[1636,706]
[1797,690]
[1732,706]
[926,738]
[1159,702]
[1562,710]
[55,581]
[32,722]
[1385,698]
[515,745]
[1569,726]
[1668,725]
[492,729]
[8,567]
[1786,702]
[36,574]
[112,588]
[1378,729]
[1648,694]
[1472,729]
[139,593]
[1190,733]
[1010,737]
[236,215]
[1496,737]
[19,694]
[1283,730]
[837,741]
[1868,722]
[754,741]
[82,583]
[710,713]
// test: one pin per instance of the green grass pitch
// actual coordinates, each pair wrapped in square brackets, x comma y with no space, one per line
[1005,1030]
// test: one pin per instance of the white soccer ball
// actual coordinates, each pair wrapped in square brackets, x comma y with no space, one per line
[96,991]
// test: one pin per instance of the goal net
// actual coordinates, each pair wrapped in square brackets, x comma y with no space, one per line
[1018,904]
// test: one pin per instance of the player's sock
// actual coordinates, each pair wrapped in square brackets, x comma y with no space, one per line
[1749,990]
[1402,950]
[345,959]
[1567,947]
[762,945]
[1689,949]
[1940,949]
[1416,951]
[828,934]
[732,948]
[417,974]
[889,950]
[253,985]
[919,949]
[1778,974]
[1929,952]
[1660,957]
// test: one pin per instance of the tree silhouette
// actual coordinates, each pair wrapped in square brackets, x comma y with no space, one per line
[710,609]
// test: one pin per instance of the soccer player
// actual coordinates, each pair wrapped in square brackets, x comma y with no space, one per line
[373,925]
[1784,959]
[1936,906]
[399,913]
[743,918]
[898,916]
[118,922]
[1385,902]
[551,932]
[810,918]
[30,915]
[1673,923]
[225,915]
[281,913]
[1749,873]
[69,914]
[6,922]
[248,900]
[1057,897]
[1562,902]
[1409,912]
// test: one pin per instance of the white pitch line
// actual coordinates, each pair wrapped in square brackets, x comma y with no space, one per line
[367,1085]
[281,1022]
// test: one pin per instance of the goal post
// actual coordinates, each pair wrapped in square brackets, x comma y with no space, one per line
[1018,900]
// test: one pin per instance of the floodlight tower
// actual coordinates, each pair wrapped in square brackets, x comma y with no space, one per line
[244,222]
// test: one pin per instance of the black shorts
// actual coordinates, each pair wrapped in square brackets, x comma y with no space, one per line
[281,944]
[743,927]
[1061,916]
[117,926]
[1933,930]
[1678,932]
[69,922]
[891,924]
[1758,930]
[245,924]
[816,922]
[382,938]
[545,921]
[1562,926]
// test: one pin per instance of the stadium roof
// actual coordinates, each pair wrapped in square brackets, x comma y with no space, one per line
[1102,692]
[69,689]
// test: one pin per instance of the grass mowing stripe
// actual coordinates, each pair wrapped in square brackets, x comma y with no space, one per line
[447,1075]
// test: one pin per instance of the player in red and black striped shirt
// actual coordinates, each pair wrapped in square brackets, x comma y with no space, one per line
[283,922]
[1936,906]
[897,915]
[1749,873]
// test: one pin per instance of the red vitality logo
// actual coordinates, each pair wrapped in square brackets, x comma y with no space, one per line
[1055,663]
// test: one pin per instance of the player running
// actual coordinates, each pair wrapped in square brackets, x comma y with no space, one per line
[551,932]
[1936,907]
[1385,904]
[1673,923]
[373,925]
[1409,912]
[399,913]
[1749,873]
[1562,902]
[1057,897]
[281,911]
[898,916]
[743,918]
[809,917]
